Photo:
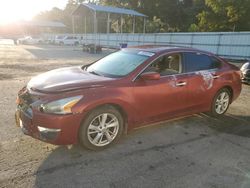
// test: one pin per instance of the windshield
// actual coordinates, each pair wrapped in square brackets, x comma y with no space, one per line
[118,64]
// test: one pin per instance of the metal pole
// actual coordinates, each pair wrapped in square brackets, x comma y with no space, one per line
[96,23]
[95,30]
[121,23]
[73,24]
[85,29]
[108,25]
[133,24]
[85,25]
[144,25]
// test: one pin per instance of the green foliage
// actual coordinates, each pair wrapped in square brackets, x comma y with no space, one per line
[164,15]
[193,28]
[225,15]
[55,14]
[67,14]
[155,25]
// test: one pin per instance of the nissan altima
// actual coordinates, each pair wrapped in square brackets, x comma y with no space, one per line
[95,104]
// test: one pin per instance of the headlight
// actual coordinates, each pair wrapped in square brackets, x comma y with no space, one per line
[62,106]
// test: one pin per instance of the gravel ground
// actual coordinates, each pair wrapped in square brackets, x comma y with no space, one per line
[195,151]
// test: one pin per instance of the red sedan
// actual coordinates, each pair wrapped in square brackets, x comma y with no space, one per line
[95,104]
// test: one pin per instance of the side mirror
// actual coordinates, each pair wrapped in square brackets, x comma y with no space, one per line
[150,76]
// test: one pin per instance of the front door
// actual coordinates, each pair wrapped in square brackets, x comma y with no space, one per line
[164,98]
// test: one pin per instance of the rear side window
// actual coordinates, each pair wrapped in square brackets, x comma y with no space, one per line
[197,61]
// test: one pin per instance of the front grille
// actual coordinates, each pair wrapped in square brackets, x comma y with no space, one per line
[26,109]
[26,98]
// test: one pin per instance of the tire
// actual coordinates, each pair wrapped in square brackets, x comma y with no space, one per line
[94,134]
[221,102]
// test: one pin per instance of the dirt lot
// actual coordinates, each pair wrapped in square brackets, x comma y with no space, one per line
[195,151]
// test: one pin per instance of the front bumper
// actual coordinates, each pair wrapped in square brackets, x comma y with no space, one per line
[54,129]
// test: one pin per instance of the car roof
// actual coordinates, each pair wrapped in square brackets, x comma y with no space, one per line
[164,48]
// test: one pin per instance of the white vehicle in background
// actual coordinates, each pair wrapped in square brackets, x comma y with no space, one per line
[58,39]
[31,40]
[67,40]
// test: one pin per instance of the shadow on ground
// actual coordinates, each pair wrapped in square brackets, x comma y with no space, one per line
[232,124]
[153,161]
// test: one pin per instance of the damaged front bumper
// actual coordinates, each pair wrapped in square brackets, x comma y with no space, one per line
[24,121]
[52,128]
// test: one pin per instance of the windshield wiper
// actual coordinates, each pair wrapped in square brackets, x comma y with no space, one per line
[93,72]
[84,67]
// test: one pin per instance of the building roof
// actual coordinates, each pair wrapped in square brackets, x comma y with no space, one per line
[109,9]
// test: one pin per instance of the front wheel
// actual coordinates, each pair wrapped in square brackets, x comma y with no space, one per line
[101,128]
[221,102]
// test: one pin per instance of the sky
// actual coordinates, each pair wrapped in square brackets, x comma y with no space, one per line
[15,10]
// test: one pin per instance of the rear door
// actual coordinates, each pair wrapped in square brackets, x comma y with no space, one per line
[203,79]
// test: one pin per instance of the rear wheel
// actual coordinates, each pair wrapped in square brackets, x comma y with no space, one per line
[101,128]
[221,102]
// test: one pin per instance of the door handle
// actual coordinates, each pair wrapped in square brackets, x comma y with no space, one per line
[180,84]
[215,76]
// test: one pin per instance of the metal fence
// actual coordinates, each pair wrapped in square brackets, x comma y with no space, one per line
[235,45]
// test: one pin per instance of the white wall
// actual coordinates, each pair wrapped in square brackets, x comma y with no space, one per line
[234,45]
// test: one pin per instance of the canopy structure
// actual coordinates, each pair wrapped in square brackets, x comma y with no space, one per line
[109,9]
[86,10]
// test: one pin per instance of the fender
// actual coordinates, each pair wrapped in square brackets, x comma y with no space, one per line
[121,97]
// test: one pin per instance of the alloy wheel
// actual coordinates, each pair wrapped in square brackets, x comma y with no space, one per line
[103,129]
[222,102]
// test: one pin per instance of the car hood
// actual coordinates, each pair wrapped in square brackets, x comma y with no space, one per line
[66,79]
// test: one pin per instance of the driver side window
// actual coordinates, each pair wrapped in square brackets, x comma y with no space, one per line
[166,65]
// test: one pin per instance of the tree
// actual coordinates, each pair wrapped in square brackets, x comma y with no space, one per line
[67,14]
[225,15]
[55,14]
[164,15]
